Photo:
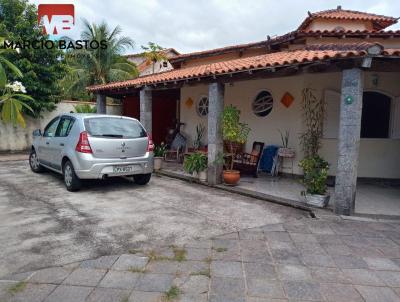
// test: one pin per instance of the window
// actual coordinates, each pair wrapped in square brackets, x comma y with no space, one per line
[375,118]
[262,104]
[114,127]
[51,127]
[64,127]
[202,106]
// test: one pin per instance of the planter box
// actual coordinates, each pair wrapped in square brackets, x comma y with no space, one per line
[319,201]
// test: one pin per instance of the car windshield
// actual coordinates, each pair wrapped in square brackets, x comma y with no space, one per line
[114,127]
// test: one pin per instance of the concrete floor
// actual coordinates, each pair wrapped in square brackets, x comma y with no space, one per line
[42,224]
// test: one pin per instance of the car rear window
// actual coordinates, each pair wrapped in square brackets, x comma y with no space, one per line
[114,127]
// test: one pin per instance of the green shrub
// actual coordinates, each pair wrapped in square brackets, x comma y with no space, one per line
[85,108]
[315,174]
[159,150]
[195,162]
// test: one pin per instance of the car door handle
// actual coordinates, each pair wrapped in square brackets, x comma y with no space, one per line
[62,145]
[47,143]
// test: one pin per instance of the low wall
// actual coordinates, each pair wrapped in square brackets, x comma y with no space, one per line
[18,138]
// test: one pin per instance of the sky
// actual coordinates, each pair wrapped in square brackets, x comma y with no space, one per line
[194,25]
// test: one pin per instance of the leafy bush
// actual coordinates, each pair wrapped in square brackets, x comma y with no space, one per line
[315,174]
[195,162]
[85,108]
[159,150]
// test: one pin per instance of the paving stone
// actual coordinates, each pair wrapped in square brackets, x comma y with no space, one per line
[19,276]
[328,239]
[195,285]
[374,294]
[85,277]
[193,298]
[383,264]
[337,249]
[320,228]
[260,270]
[251,234]
[197,254]
[258,299]
[265,288]
[306,247]
[138,296]
[201,244]
[221,298]
[278,236]
[334,292]
[279,245]
[381,242]
[227,269]
[298,237]
[390,278]
[328,274]
[227,288]
[126,262]
[225,249]
[349,261]
[318,260]
[193,266]
[108,295]
[118,279]
[31,293]
[390,252]
[286,256]
[154,282]
[104,262]
[234,235]
[363,277]
[366,251]
[294,272]
[296,228]
[255,251]
[273,228]
[66,293]
[164,267]
[54,275]
[302,290]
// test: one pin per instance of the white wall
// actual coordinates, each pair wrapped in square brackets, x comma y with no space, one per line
[18,138]
[378,157]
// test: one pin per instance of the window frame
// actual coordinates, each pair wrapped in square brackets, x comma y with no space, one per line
[71,124]
[255,97]
[198,103]
[49,124]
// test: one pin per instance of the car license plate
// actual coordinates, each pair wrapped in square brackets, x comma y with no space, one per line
[122,169]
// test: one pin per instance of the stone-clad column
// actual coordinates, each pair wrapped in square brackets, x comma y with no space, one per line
[146,109]
[101,104]
[215,142]
[349,140]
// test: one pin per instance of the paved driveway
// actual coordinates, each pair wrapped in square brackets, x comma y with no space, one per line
[41,224]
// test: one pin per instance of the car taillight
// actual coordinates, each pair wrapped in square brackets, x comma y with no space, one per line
[83,145]
[150,144]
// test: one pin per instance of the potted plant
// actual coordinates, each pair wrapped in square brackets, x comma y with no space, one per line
[234,133]
[315,175]
[196,164]
[159,152]
[200,130]
[285,151]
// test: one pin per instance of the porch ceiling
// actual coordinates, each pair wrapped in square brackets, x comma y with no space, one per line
[251,67]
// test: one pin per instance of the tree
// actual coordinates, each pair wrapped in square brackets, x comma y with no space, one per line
[42,68]
[153,53]
[98,66]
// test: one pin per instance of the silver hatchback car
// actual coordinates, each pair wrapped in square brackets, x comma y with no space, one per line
[92,146]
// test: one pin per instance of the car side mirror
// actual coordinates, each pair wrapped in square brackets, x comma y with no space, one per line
[37,132]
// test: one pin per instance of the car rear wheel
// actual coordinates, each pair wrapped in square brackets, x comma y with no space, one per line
[34,162]
[142,179]
[71,181]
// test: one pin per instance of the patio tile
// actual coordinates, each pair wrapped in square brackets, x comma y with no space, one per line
[298,237]
[193,266]
[154,282]
[194,284]
[259,270]
[126,262]
[294,272]
[65,293]
[258,299]
[363,277]
[381,294]
[118,279]
[31,293]
[201,244]
[328,274]
[366,251]
[273,228]
[233,235]
[255,251]
[164,267]
[226,287]
[282,245]
[320,228]
[197,254]
[340,293]
[349,261]
[104,262]
[302,290]
[108,295]
[193,298]
[390,278]
[54,275]
[278,236]
[315,248]
[227,269]
[296,227]
[265,288]
[337,249]
[85,277]
[328,239]
[383,264]
[318,260]
[221,298]
[138,296]
[251,235]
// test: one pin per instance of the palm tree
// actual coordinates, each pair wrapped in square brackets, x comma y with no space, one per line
[153,53]
[11,66]
[98,66]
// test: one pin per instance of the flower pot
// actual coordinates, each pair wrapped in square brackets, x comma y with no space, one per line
[231,177]
[203,175]
[317,200]
[158,161]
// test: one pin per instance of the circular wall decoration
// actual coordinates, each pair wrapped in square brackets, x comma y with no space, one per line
[202,106]
[263,103]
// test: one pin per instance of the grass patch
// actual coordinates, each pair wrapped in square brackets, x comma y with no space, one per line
[125,299]
[208,260]
[154,256]
[18,287]
[220,249]
[172,294]
[179,254]
[133,251]
[205,272]
[136,270]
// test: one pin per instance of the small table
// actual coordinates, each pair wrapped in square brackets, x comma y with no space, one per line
[282,154]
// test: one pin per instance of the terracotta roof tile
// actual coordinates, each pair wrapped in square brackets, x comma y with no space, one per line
[309,54]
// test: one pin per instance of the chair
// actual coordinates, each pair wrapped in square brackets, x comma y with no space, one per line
[247,163]
[177,149]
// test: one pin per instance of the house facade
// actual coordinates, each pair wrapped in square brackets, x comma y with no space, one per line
[348,59]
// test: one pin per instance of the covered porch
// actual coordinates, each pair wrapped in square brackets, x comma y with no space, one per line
[218,83]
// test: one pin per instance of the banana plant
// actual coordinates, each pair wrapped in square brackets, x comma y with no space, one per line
[4,62]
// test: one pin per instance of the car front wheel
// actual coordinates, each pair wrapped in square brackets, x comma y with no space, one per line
[71,181]
[34,162]
[142,179]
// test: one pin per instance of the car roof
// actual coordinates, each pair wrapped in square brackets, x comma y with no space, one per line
[81,116]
